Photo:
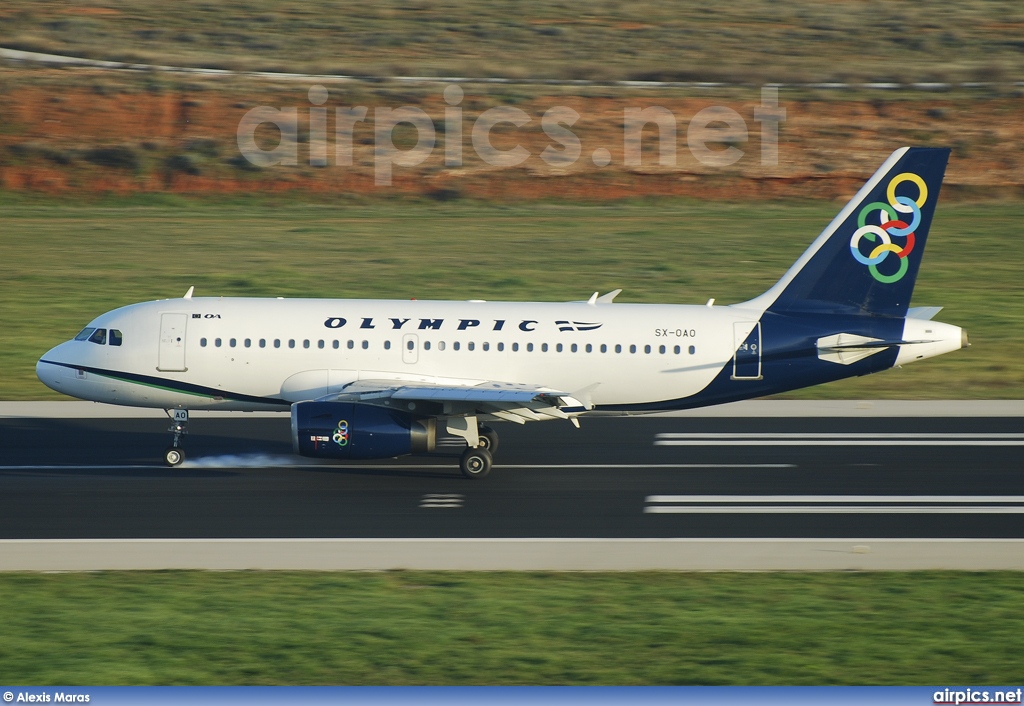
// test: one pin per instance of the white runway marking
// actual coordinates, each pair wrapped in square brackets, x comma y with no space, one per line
[283,462]
[835,504]
[442,500]
[242,461]
[836,439]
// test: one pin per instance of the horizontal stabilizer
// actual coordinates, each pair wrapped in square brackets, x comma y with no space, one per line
[925,313]
[846,348]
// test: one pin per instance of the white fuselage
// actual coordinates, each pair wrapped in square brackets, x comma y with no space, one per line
[250,354]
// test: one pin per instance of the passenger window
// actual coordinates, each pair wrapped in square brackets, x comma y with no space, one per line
[291,342]
[84,334]
[676,350]
[387,345]
[366,344]
[693,349]
[440,345]
[590,348]
[529,348]
[336,344]
[515,347]
[248,343]
[558,347]
[202,343]
[647,349]
[232,342]
[487,346]
[455,346]
[472,346]
[305,343]
[426,345]
[501,347]
[263,343]
[351,344]
[618,347]
[661,349]
[604,347]
[320,344]
[632,348]
[574,348]
[115,337]
[544,348]
[410,345]
[99,336]
[216,342]
[277,343]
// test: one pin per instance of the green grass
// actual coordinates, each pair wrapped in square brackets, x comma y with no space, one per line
[62,264]
[753,40]
[523,628]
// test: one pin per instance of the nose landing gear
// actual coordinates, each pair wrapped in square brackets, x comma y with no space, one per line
[175,455]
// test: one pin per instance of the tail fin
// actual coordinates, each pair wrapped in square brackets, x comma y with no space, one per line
[866,260]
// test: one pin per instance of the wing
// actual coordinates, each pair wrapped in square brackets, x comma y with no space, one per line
[501,400]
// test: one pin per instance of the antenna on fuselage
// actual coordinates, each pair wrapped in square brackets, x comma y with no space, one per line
[188,294]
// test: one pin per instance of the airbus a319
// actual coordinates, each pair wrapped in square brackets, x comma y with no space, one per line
[367,379]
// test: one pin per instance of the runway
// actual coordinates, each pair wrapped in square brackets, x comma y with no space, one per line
[667,485]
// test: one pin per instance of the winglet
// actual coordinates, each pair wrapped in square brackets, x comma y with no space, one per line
[188,294]
[593,299]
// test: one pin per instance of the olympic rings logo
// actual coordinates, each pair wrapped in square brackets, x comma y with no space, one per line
[891,223]
[341,434]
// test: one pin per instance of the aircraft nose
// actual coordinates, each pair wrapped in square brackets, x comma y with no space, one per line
[49,372]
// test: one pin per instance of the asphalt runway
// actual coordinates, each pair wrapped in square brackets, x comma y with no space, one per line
[640,478]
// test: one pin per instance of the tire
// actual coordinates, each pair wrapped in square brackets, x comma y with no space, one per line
[488,439]
[475,463]
[174,456]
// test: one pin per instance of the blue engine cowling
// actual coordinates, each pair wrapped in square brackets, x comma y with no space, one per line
[347,430]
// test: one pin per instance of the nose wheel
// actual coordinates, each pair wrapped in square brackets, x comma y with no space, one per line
[175,455]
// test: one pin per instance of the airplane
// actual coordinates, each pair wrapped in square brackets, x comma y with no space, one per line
[368,379]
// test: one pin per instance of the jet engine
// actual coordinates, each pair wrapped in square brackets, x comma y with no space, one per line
[347,430]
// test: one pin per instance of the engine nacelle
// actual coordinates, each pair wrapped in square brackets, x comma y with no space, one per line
[358,431]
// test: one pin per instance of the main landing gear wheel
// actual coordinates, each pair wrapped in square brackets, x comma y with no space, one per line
[174,456]
[488,439]
[475,463]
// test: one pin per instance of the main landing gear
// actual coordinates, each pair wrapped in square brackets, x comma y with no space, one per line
[475,463]
[175,455]
[476,460]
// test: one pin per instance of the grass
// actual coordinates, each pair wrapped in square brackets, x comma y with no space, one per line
[64,263]
[753,41]
[526,628]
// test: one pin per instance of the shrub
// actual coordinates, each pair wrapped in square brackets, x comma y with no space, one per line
[116,156]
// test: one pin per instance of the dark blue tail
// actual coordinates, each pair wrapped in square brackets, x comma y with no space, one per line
[866,260]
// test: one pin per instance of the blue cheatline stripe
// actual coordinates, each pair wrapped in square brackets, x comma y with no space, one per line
[172,385]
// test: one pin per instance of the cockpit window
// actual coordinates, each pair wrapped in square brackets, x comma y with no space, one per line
[84,335]
[99,336]
[115,337]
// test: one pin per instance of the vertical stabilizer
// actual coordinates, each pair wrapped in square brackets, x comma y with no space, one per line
[866,260]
